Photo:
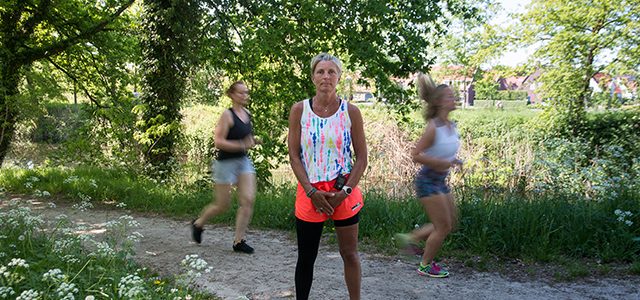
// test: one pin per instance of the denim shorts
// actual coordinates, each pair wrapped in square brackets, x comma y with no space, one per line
[429,182]
[226,171]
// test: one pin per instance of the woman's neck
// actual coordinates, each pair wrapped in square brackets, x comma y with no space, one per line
[325,98]
[236,106]
[443,116]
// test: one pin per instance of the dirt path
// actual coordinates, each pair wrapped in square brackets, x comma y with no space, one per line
[268,274]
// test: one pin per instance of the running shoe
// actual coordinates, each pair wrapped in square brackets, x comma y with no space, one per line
[432,270]
[243,247]
[408,245]
[196,232]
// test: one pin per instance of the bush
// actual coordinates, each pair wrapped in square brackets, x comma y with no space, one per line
[505,104]
[57,122]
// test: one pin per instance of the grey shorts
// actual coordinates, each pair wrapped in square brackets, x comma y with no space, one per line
[227,171]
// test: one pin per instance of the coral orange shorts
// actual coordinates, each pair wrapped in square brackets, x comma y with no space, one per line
[306,211]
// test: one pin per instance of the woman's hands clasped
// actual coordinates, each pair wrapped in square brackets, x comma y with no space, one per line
[320,200]
[326,202]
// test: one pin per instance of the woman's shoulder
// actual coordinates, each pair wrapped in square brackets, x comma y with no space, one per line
[299,104]
[298,107]
[352,108]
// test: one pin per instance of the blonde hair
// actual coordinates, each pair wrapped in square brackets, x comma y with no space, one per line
[430,93]
[325,57]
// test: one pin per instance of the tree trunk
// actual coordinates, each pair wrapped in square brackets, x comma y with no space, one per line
[9,81]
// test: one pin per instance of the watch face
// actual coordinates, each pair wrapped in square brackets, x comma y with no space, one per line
[347,190]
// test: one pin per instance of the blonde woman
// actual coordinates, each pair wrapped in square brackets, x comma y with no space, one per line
[437,152]
[233,138]
[322,132]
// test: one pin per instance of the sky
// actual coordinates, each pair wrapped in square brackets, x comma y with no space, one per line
[520,56]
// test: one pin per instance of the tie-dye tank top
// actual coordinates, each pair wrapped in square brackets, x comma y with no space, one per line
[325,143]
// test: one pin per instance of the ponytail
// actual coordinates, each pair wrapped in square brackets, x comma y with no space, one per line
[429,92]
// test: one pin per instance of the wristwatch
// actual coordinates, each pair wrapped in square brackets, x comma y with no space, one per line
[347,190]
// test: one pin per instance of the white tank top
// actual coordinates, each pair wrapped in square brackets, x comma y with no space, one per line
[325,143]
[445,144]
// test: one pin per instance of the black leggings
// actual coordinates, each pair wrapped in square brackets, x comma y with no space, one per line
[309,234]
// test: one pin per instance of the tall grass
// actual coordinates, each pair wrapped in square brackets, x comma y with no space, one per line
[536,226]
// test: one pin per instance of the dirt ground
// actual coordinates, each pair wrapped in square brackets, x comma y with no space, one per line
[268,274]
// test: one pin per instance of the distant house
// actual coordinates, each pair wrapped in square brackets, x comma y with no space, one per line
[530,84]
[511,83]
[522,83]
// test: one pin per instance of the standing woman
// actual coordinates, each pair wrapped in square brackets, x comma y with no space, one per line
[436,151]
[233,137]
[321,132]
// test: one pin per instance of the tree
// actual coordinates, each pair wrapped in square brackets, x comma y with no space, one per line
[270,43]
[171,31]
[471,42]
[578,39]
[32,31]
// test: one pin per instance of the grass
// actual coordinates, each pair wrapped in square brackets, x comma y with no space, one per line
[635,268]
[537,227]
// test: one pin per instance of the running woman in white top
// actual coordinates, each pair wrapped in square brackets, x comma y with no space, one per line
[436,151]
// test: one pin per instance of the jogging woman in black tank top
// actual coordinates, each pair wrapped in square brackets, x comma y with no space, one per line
[233,137]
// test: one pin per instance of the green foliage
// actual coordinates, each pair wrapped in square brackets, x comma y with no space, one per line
[512,95]
[486,88]
[56,124]
[170,40]
[599,129]
[38,31]
[269,44]
[514,104]
[574,37]
[471,42]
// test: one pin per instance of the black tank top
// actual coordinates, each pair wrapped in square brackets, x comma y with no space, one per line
[238,131]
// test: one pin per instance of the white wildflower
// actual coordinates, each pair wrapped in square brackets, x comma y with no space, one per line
[104,250]
[6,292]
[18,262]
[54,275]
[135,236]
[131,286]
[66,291]
[29,295]
[70,259]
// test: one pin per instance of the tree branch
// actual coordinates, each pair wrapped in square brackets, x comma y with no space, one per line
[38,16]
[86,92]
[56,48]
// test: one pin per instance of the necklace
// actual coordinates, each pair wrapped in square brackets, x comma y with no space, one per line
[326,108]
